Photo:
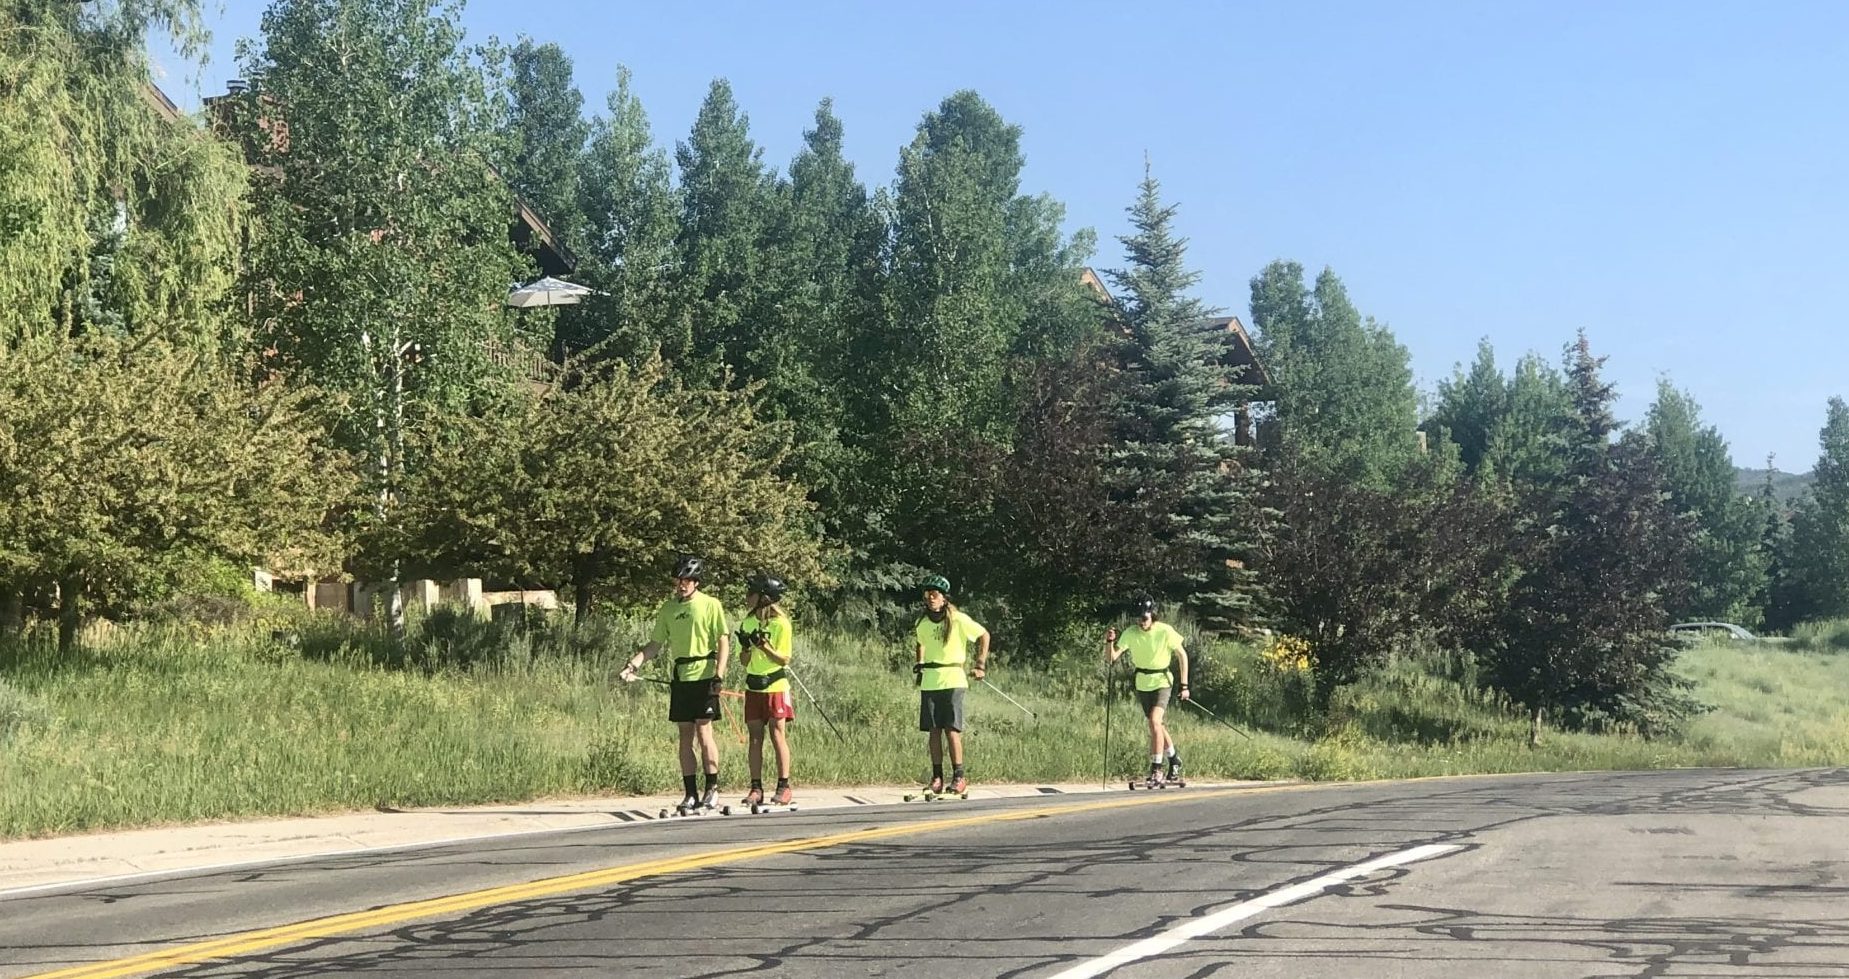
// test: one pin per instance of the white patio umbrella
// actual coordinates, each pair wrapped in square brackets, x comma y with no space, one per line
[548,292]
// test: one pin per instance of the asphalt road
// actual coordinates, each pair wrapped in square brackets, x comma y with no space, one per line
[1684,873]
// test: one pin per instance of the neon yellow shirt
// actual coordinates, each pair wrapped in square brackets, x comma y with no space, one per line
[691,628]
[952,651]
[757,663]
[1151,649]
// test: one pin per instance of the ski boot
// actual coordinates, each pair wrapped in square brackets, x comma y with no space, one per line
[959,786]
[710,799]
[785,795]
[1174,775]
[755,797]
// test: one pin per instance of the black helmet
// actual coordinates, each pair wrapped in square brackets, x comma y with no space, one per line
[766,585]
[689,567]
[1143,605]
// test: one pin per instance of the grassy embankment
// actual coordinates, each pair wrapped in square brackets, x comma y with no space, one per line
[163,724]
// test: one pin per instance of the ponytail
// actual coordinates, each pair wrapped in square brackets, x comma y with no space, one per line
[950,619]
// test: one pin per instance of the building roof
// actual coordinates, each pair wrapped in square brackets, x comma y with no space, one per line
[1227,331]
[1239,351]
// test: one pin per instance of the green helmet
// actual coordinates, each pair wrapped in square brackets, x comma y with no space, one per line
[936,582]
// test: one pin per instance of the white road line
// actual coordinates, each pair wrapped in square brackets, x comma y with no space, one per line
[1219,919]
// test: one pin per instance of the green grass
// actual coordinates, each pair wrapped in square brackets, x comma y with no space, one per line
[159,724]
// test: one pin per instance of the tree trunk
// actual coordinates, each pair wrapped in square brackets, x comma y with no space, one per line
[12,609]
[581,595]
[1534,729]
[70,613]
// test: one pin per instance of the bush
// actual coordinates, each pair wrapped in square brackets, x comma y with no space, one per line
[1823,636]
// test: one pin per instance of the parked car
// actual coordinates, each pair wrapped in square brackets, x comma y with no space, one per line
[1712,630]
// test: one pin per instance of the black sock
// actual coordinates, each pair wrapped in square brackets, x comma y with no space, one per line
[712,781]
[783,783]
[956,771]
[687,783]
[757,783]
[937,771]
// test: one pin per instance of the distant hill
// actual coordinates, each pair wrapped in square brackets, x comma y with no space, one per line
[1788,486]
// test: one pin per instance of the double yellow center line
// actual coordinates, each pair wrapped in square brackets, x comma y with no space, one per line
[245,943]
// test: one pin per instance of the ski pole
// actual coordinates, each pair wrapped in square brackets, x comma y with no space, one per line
[991,686]
[817,704]
[1217,717]
[1110,699]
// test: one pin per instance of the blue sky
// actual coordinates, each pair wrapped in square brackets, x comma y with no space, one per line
[1671,177]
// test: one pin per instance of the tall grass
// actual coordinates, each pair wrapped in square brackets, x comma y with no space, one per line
[165,723]
[1827,635]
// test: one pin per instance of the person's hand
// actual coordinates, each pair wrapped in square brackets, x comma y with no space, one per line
[1184,692]
[628,675]
[978,672]
[718,685]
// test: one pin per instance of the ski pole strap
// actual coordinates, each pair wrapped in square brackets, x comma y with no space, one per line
[754,681]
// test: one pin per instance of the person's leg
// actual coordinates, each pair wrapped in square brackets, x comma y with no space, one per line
[709,753]
[689,784]
[1152,719]
[755,754]
[780,746]
[954,729]
[688,762]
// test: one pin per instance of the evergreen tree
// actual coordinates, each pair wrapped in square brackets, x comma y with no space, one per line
[1583,632]
[825,251]
[1528,444]
[547,121]
[627,250]
[1728,567]
[1817,564]
[1177,383]
[1470,406]
[944,350]
[1341,386]
[728,203]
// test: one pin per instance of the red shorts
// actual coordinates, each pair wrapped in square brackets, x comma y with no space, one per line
[769,706]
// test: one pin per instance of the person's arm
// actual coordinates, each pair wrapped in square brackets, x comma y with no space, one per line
[1181,664]
[982,655]
[649,651]
[1111,652]
[725,649]
[768,645]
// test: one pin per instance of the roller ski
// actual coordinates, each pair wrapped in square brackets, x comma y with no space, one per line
[705,805]
[1156,780]
[783,800]
[958,788]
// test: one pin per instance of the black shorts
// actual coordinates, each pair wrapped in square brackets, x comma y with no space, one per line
[940,710]
[1152,699]
[693,700]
